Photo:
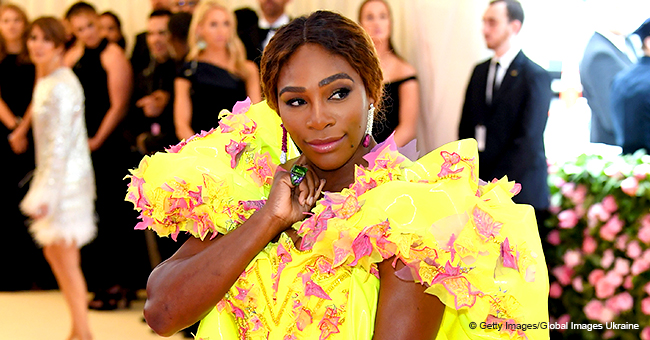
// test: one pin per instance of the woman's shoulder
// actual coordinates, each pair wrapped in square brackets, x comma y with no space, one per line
[402,71]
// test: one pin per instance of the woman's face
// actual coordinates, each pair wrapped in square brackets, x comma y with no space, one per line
[375,19]
[42,50]
[12,25]
[215,28]
[323,105]
[86,28]
[109,28]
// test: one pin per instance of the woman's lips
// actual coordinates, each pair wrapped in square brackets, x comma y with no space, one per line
[325,145]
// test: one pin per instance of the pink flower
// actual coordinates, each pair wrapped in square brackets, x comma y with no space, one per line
[645,306]
[563,274]
[639,266]
[568,219]
[579,195]
[646,288]
[604,289]
[622,266]
[568,189]
[577,284]
[621,242]
[607,315]
[641,171]
[610,229]
[589,245]
[627,284]
[634,250]
[555,290]
[609,204]
[630,186]
[644,233]
[597,213]
[608,334]
[563,319]
[593,309]
[595,276]
[645,333]
[554,209]
[553,237]
[607,259]
[572,258]
[620,303]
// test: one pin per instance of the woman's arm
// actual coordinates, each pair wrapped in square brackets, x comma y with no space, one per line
[409,112]
[188,285]
[7,117]
[404,310]
[253,90]
[119,77]
[18,138]
[183,109]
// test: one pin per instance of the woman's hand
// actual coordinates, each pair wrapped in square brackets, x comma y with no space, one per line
[288,203]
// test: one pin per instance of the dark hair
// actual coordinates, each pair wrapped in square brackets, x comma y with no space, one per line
[80,8]
[391,47]
[160,13]
[515,11]
[23,56]
[52,28]
[336,34]
[179,26]
[115,18]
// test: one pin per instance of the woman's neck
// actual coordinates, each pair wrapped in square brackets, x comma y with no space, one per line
[215,55]
[383,49]
[14,46]
[46,68]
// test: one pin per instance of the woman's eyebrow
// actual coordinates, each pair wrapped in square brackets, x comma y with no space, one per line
[334,77]
[291,89]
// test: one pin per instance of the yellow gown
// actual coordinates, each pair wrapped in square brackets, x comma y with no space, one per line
[465,239]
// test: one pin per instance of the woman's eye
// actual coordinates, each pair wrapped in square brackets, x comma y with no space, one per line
[295,102]
[340,94]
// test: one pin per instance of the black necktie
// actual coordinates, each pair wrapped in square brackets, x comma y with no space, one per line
[494,81]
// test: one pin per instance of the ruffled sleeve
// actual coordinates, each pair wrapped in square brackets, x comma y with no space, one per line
[464,239]
[212,182]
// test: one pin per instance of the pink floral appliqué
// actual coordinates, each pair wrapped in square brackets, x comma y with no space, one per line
[485,225]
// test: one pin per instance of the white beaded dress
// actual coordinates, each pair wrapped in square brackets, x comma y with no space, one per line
[63,181]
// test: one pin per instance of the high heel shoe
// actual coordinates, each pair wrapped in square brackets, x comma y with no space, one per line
[113,298]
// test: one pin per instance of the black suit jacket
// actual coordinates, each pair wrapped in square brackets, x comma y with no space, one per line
[250,33]
[599,65]
[515,123]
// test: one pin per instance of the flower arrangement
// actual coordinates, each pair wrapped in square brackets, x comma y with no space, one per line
[599,245]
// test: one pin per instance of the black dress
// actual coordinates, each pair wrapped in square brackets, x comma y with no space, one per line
[213,89]
[16,87]
[382,128]
[117,256]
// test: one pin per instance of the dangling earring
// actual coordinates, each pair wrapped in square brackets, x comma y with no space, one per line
[283,155]
[371,118]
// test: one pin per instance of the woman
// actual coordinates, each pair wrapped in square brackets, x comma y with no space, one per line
[16,87]
[402,93]
[61,195]
[105,75]
[281,262]
[216,74]
[112,28]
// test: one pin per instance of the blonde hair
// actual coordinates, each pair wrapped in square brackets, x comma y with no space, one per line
[234,46]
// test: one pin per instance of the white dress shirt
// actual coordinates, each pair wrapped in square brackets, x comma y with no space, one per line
[272,27]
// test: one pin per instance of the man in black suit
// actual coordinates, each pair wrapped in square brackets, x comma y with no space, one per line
[601,61]
[256,32]
[506,108]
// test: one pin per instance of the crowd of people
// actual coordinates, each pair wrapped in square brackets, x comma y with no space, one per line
[78,111]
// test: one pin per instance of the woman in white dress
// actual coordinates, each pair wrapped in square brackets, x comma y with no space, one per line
[60,200]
